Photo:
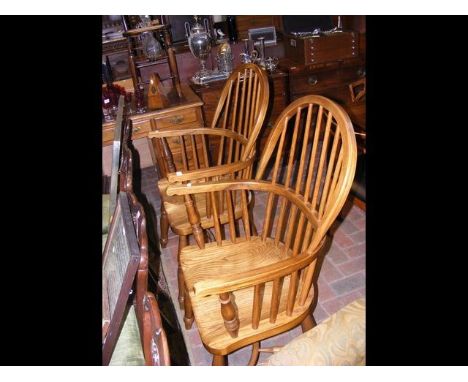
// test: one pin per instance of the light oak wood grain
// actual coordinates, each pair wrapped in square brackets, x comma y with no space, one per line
[244,288]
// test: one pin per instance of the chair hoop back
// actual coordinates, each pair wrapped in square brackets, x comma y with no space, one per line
[243,104]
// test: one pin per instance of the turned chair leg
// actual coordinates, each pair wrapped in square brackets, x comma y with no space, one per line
[183,242]
[220,360]
[188,314]
[164,226]
[308,323]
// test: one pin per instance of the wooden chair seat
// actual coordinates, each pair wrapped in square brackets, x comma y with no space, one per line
[217,262]
[210,322]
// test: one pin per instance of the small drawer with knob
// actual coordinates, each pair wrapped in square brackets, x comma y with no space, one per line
[180,118]
[311,82]
[140,129]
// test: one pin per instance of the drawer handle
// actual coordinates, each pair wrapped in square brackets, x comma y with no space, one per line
[177,119]
[312,80]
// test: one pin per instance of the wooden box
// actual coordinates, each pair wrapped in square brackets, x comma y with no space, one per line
[323,48]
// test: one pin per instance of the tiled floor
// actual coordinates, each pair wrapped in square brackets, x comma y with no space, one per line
[341,279]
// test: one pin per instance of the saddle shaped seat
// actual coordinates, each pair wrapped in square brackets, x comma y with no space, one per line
[230,262]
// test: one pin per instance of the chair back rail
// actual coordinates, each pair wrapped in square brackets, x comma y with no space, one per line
[242,107]
[321,159]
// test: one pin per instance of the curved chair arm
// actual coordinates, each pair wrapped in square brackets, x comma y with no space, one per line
[171,132]
[251,185]
[211,172]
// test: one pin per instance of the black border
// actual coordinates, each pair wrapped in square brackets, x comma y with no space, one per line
[415,273]
[52,185]
[52,182]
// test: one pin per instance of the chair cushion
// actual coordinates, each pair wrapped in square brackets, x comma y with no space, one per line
[105,212]
[128,350]
[337,341]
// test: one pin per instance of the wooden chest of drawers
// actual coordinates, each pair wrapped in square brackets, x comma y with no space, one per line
[323,48]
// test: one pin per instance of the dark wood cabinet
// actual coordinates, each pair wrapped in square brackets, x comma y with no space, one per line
[324,48]
[330,80]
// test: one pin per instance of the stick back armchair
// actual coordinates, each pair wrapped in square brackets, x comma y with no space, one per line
[246,287]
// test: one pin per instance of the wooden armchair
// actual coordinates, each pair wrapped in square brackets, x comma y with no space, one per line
[226,150]
[131,324]
[247,287]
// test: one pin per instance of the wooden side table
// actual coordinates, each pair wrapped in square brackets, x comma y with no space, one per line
[185,112]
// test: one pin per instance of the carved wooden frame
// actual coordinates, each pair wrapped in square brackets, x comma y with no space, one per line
[121,225]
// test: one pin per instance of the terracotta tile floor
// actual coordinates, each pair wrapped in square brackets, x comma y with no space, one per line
[341,279]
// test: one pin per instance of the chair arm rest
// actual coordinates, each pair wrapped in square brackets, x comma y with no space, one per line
[252,185]
[211,172]
[171,132]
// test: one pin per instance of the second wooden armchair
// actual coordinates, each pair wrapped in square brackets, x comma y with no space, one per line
[226,150]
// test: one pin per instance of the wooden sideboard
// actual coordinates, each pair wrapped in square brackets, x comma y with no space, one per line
[182,112]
